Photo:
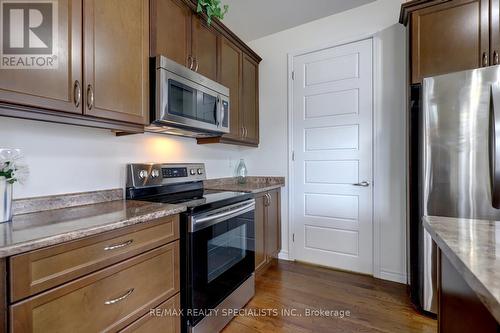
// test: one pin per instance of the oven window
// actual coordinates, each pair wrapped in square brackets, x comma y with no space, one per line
[225,251]
[182,100]
[190,103]
[207,108]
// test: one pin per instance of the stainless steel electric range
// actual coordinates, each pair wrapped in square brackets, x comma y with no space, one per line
[217,241]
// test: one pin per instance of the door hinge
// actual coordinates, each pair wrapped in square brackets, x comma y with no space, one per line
[293,75]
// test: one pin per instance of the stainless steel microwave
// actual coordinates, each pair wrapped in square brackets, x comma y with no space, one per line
[187,103]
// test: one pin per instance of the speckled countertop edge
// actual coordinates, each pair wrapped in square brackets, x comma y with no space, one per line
[491,302]
[254,184]
[37,243]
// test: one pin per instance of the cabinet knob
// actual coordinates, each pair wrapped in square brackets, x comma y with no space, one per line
[495,57]
[77,93]
[485,59]
[90,97]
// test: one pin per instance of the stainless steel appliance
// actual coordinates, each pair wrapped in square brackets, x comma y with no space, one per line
[217,241]
[187,103]
[460,156]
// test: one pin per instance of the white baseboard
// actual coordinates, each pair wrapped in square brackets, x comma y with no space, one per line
[392,276]
[283,255]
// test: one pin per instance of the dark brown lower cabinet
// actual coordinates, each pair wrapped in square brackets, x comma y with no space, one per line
[459,308]
[267,228]
[164,318]
[125,280]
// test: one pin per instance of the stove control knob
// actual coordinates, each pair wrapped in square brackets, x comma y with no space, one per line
[143,174]
[192,172]
[200,171]
[155,173]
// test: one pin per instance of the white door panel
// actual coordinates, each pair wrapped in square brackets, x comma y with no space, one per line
[332,143]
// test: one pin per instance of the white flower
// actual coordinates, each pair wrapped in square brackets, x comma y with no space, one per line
[20,174]
[11,165]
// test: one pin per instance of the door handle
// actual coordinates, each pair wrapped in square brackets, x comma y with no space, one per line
[195,61]
[495,57]
[364,183]
[485,59]
[121,298]
[190,62]
[90,97]
[494,148]
[77,93]
[118,246]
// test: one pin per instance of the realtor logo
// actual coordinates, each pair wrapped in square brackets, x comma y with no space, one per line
[28,34]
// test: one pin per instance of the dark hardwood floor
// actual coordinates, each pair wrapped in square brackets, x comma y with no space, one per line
[374,305]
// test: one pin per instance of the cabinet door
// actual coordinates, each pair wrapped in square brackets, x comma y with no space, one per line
[116,59]
[171,30]
[157,319]
[495,32]
[230,58]
[449,37]
[260,221]
[249,100]
[56,88]
[273,234]
[204,44]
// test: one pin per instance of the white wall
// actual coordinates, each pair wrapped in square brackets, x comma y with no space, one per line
[67,159]
[272,156]
[389,216]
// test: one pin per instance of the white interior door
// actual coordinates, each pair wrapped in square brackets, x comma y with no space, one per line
[332,168]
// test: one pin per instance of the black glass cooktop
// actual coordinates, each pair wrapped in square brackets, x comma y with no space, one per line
[200,199]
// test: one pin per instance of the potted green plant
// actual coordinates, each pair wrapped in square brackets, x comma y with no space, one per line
[11,171]
[213,8]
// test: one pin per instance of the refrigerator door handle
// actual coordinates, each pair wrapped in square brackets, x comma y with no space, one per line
[494,147]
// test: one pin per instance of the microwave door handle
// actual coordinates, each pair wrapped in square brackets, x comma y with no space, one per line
[217,112]
[494,140]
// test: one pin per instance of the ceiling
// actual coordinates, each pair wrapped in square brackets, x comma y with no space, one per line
[253,19]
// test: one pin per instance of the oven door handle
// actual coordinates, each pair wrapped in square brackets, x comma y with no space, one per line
[207,221]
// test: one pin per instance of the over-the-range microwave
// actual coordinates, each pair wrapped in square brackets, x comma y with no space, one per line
[187,103]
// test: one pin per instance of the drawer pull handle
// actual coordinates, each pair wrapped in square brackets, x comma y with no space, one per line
[121,298]
[118,246]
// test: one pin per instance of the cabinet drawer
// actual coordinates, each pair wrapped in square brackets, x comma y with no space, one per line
[107,300]
[46,268]
[166,318]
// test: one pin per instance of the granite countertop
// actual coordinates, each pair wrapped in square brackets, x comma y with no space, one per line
[35,230]
[473,247]
[253,184]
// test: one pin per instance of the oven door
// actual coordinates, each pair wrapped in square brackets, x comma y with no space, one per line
[222,255]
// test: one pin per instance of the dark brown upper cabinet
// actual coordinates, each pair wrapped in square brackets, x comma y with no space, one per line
[116,59]
[250,100]
[450,36]
[495,32]
[171,31]
[101,79]
[230,62]
[240,73]
[181,35]
[56,88]
[204,48]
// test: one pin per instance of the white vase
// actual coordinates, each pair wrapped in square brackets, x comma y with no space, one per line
[5,200]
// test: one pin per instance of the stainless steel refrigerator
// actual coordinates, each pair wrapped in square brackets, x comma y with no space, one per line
[459,167]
